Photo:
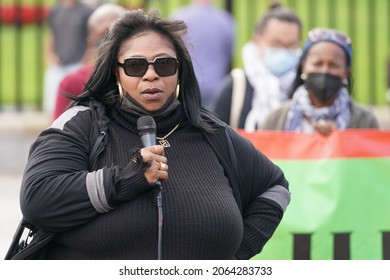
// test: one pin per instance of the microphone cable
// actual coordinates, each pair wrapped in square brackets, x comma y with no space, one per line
[160,220]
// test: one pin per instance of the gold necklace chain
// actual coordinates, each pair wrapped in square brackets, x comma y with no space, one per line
[165,142]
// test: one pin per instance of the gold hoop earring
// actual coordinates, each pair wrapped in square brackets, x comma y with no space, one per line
[120,89]
[177,91]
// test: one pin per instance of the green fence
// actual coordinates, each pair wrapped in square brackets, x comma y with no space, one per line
[366,21]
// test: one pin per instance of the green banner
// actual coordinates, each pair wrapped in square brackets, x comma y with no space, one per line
[340,207]
[337,196]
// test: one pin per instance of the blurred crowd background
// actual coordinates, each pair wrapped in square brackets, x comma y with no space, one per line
[24,32]
[24,29]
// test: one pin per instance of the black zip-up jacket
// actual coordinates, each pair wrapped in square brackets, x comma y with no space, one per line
[62,156]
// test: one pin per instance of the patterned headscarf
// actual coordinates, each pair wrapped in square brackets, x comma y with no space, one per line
[302,107]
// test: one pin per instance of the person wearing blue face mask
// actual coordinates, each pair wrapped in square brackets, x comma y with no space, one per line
[270,59]
[320,94]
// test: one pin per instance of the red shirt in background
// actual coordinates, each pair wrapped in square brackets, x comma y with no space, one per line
[72,84]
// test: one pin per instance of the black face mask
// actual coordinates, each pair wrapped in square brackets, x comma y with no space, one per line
[324,86]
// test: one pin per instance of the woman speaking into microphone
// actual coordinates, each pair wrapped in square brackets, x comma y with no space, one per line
[91,182]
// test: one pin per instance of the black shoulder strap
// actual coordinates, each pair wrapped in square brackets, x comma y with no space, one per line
[98,136]
[25,250]
[234,164]
[13,249]
[227,156]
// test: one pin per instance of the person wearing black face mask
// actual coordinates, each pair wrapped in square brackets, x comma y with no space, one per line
[320,94]
[323,86]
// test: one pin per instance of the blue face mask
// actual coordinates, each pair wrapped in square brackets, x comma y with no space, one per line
[280,61]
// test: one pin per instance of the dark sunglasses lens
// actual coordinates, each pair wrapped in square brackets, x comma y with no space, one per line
[136,67]
[165,66]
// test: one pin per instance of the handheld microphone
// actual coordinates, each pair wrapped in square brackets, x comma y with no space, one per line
[147,130]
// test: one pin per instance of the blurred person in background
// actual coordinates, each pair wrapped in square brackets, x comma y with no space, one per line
[66,45]
[210,41]
[270,59]
[73,83]
[321,100]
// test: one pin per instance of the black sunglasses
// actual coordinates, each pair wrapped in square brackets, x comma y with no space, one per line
[137,66]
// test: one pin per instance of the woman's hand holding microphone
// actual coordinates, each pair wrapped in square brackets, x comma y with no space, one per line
[158,169]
